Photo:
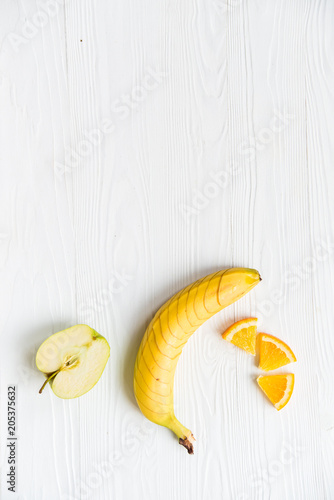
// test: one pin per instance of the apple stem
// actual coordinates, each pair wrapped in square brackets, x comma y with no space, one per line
[48,380]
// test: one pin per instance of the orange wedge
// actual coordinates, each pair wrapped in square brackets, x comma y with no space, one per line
[243,334]
[274,353]
[278,388]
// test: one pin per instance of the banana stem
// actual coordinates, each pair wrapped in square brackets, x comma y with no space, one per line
[185,436]
[188,444]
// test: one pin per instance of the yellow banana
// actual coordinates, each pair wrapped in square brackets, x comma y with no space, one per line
[167,334]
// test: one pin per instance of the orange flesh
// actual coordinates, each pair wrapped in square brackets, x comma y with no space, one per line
[243,334]
[278,388]
[274,353]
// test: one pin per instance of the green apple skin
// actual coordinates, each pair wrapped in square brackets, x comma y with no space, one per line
[73,360]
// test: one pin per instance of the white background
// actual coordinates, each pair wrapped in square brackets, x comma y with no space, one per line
[224,157]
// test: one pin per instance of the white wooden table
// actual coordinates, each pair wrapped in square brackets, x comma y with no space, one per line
[145,144]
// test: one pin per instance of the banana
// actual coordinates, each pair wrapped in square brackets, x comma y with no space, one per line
[167,334]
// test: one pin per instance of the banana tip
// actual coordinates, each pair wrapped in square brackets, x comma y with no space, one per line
[188,444]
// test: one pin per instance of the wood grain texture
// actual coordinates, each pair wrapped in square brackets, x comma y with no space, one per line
[142,146]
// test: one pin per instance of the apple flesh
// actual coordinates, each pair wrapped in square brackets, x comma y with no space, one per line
[73,360]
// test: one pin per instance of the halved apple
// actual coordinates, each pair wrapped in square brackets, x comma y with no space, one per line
[73,360]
